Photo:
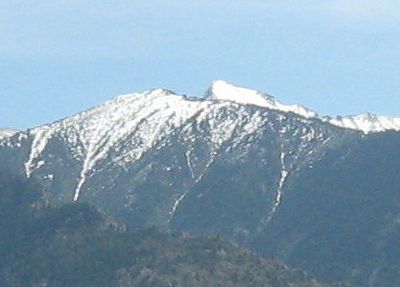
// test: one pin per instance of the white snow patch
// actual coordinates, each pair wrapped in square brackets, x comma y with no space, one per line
[176,204]
[40,164]
[221,90]
[282,179]
[189,164]
[49,177]
[79,186]
[367,123]
[6,133]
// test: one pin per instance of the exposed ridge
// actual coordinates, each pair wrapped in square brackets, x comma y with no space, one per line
[5,133]
[367,123]
[221,90]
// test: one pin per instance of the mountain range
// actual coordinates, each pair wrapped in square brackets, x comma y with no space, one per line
[319,193]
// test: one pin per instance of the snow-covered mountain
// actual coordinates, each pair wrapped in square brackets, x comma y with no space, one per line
[232,162]
[121,131]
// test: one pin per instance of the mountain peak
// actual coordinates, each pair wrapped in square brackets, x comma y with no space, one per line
[367,122]
[224,91]
[221,90]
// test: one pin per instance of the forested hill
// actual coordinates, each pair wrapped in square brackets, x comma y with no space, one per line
[75,245]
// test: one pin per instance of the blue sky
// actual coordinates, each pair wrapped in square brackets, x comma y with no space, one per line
[61,57]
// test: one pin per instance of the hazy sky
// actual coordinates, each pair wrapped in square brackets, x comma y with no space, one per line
[61,57]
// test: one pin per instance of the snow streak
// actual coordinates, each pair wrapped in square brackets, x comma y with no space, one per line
[42,136]
[283,176]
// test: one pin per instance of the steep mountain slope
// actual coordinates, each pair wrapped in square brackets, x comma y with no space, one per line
[228,163]
[341,217]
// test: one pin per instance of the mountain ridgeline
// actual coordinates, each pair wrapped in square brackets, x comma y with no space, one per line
[319,193]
